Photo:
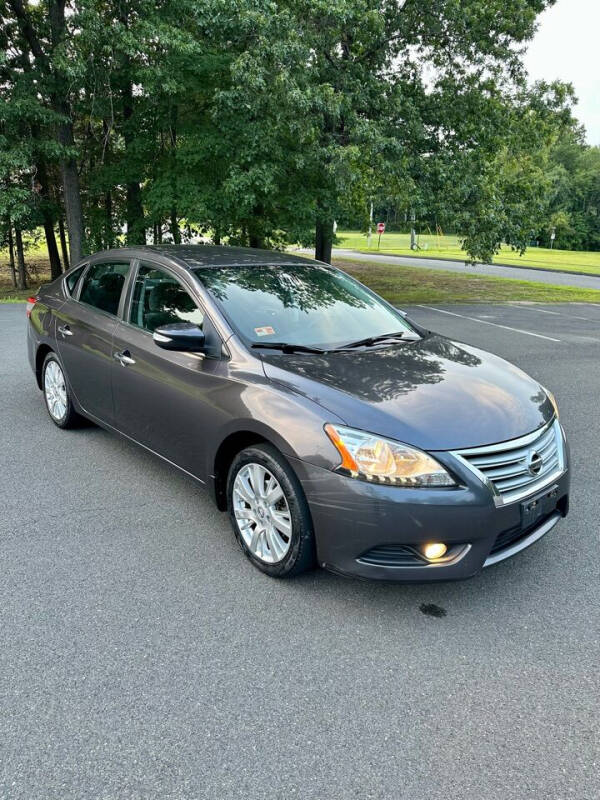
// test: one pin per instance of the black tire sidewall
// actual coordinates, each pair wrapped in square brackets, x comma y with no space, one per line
[301,555]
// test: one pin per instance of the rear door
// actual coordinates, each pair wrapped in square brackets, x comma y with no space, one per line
[163,399]
[84,329]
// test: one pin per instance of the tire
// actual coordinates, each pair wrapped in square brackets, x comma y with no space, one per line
[277,550]
[57,394]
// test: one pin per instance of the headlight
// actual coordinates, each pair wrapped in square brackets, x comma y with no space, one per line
[372,458]
[552,400]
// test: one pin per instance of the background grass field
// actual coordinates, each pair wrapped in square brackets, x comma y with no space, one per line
[448,246]
[406,285]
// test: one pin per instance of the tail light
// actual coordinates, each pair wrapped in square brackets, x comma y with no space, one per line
[31,301]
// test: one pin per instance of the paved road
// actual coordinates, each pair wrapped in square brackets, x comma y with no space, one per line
[143,657]
[524,274]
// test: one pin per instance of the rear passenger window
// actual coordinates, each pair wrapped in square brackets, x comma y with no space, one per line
[159,299]
[103,285]
[73,277]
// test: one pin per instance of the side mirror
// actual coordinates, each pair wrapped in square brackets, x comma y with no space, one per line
[182,336]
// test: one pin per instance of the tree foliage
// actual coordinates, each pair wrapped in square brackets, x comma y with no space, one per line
[574,194]
[262,121]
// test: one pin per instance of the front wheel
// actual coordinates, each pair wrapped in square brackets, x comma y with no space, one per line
[269,512]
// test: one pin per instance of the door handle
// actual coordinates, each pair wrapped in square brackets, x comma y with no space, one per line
[124,358]
[64,330]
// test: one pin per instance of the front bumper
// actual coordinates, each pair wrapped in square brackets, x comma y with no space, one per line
[352,517]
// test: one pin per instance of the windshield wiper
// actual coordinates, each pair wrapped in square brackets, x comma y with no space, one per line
[371,340]
[287,347]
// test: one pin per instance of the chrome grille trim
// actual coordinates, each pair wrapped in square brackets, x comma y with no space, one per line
[503,467]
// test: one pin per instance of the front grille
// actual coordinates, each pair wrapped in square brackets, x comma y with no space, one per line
[393,555]
[520,467]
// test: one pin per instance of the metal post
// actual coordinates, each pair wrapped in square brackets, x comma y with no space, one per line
[370,226]
[413,233]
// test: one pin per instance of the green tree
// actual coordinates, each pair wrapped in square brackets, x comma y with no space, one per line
[263,121]
[41,41]
[332,102]
[574,193]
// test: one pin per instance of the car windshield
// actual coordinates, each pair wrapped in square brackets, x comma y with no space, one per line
[311,305]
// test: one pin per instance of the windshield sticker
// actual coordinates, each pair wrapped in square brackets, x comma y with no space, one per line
[267,330]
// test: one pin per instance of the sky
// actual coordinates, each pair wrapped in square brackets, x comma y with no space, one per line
[567,46]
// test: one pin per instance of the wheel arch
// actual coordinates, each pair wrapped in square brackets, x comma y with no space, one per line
[234,442]
[40,357]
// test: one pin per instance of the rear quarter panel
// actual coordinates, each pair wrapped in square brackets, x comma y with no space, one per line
[41,328]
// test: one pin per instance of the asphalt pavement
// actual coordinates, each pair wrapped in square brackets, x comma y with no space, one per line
[142,656]
[550,277]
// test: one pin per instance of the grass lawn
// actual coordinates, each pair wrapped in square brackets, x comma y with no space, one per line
[39,272]
[405,285]
[38,268]
[449,247]
[10,295]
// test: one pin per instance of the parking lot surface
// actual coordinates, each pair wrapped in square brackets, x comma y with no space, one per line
[142,656]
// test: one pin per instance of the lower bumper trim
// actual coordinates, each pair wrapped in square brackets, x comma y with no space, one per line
[525,542]
[408,557]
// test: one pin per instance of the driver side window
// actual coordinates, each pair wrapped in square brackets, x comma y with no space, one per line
[159,299]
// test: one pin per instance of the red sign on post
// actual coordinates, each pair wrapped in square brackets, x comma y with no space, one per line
[380,227]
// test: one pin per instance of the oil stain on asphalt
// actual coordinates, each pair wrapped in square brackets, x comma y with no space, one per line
[431,610]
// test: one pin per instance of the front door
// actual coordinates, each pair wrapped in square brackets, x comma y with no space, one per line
[84,331]
[165,400]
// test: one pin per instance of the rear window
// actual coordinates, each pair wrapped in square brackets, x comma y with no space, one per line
[72,278]
[103,285]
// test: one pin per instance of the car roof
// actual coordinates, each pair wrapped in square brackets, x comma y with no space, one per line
[193,256]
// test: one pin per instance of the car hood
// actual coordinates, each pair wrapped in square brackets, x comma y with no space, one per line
[433,393]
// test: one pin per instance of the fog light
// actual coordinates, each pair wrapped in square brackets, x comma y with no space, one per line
[434,550]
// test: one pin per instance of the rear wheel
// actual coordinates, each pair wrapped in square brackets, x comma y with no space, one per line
[57,394]
[269,512]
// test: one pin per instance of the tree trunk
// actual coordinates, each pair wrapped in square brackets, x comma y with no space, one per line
[63,242]
[255,234]
[47,216]
[323,240]
[55,265]
[71,191]
[21,273]
[134,212]
[68,165]
[11,255]
[136,233]
[175,232]
[108,229]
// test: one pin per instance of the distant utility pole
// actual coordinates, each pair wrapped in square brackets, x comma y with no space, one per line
[413,233]
[370,225]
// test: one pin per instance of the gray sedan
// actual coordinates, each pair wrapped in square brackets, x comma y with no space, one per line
[331,428]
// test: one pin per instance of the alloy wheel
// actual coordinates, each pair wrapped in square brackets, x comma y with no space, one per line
[262,513]
[55,390]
